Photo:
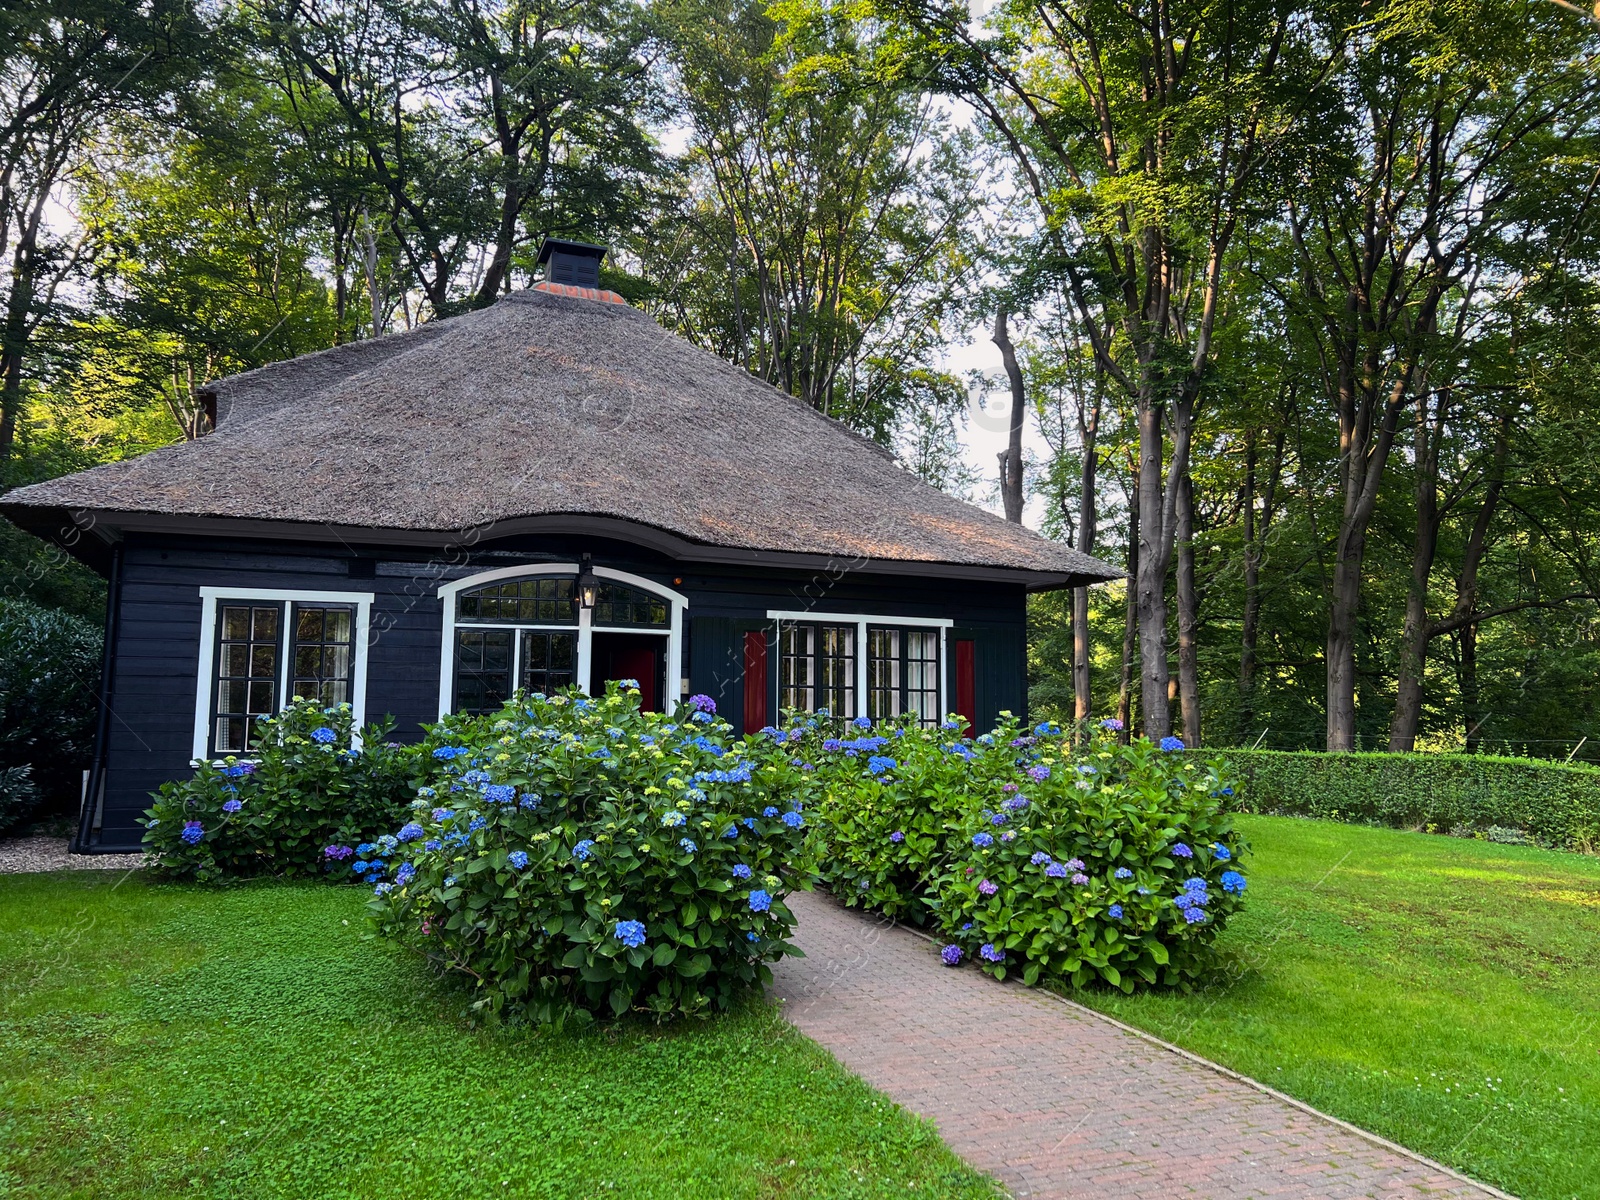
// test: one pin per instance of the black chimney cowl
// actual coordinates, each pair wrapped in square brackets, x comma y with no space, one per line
[576,264]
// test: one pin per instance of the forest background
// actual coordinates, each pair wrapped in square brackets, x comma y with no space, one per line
[1294,304]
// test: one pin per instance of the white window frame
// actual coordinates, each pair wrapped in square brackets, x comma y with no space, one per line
[586,627]
[211,601]
[861,621]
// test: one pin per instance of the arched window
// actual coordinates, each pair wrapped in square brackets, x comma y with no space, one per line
[524,629]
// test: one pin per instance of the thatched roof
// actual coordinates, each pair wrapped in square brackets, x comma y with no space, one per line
[545,404]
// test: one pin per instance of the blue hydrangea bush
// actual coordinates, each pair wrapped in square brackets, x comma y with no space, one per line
[1032,856]
[579,856]
[298,806]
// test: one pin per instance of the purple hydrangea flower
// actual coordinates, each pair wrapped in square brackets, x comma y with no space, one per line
[998,818]
[1015,804]
[989,954]
[1111,723]
[1074,864]
[405,874]
[1039,774]
[897,837]
[1009,835]
[232,806]
[1179,850]
[988,887]
[1080,879]
[702,703]
[951,955]
[337,853]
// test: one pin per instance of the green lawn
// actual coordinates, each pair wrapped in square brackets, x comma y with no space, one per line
[1443,993]
[167,1041]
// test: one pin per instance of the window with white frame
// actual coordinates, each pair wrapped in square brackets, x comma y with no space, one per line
[524,629]
[260,649]
[885,667]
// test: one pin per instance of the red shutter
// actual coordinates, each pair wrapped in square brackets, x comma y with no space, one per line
[755,681]
[967,681]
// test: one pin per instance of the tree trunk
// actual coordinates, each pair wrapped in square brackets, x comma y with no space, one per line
[1470,704]
[1188,619]
[1414,633]
[1150,593]
[1088,529]
[1130,619]
[1011,458]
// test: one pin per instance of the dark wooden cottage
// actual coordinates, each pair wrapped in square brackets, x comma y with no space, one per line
[550,491]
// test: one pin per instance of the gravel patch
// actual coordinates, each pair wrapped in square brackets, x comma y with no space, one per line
[20,856]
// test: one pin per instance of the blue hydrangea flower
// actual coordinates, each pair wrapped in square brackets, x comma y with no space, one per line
[439,814]
[1227,791]
[431,844]
[1056,871]
[1040,858]
[359,866]
[1044,729]
[1221,851]
[1194,915]
[323,736]
[748,822]
[232,806]
[793,820]
[383,889]
[1179,850]
[630,933]
[688,846]
[741,871]
[499,793]
[988,953]
[1233,882]
[862,722]
[518,859]
[951,955]
[1039,774]
[476,824]
[1112,724]
[760,901]
[1171,743]
[672,819]
[1115,912]
[529,800]
[1015,804]
[410,832]
[732,831]
[1122,873]
[897,837]
[405,874]
[878,764]
[193,831]
[983,840]
[769,811]
[446,753]
[583,849]
[365,848]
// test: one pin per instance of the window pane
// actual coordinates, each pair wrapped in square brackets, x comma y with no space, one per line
[483,669]
[247,674]
[619,604]
[323,655]
[817,668]
[548,600]
[548,660]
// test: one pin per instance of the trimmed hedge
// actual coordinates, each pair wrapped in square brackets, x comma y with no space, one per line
[1554,804]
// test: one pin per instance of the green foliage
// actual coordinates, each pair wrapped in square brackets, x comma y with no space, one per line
[49,672]
[306,787]
[1558,804]
[1113,863]
[576,855]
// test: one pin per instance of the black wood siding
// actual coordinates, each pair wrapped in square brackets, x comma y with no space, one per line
[150,737]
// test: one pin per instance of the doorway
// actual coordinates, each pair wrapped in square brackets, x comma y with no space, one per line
[640,656]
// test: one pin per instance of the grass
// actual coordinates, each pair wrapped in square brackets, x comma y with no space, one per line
[167,1041]
[1443,993]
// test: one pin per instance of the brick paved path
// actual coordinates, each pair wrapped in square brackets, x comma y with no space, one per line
[1054,1102]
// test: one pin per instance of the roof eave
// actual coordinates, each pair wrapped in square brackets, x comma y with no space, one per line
[88,534]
